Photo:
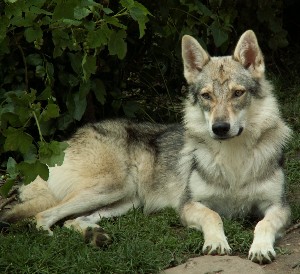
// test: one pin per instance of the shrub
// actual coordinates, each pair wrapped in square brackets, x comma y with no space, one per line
[68,62]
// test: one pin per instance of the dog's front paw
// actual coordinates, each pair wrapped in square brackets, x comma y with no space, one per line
[216,247]
[262,253]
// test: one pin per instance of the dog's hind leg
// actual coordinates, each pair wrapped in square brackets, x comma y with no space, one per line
[34,198]
[80,202]
[266,230]
[196,215]
[91,231]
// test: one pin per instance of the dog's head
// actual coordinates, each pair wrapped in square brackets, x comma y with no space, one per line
[223,87]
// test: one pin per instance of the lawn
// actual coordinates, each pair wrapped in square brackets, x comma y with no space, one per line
[141,243]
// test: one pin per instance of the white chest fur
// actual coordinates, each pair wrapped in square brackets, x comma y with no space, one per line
[232,178]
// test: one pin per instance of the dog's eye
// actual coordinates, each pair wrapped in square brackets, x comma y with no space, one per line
[238,93]
[205,96]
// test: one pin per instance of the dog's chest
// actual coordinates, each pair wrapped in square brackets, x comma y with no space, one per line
[224,181]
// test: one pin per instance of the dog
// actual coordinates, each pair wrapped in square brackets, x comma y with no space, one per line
[223,160]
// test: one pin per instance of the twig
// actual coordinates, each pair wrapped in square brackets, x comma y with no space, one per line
[7,201]
[296,265]
[292,228]
[25,65]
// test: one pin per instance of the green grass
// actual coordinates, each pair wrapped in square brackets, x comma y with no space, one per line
[287,91]
[142,244]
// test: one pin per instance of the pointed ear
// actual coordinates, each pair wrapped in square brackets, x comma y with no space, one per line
[248,53]
[194,58]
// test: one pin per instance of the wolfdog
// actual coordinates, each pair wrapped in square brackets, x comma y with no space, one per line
[224,159]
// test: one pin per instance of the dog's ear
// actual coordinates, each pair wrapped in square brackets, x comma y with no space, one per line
[194,58]
[248,53]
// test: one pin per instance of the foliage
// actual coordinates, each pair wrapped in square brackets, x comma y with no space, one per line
[65,63]
[51,50]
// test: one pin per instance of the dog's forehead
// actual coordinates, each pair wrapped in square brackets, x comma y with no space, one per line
[222,69]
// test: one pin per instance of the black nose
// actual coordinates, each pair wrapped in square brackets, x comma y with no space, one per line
[220,128]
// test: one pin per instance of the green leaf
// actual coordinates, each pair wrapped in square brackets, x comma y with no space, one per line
[4,46]
[51,111]
[127,3]
[4,22]
[139,13]
[34,59]
[88,66]
[33,34]
[76,62]
[17,140]
[70,22]
[81,12]
[64,121]
[52,153]
[130,108]
[113,21]
[107,10]
[32,170]
[98,38]
[40,71]
[77,102]
[204,9]
[117,45]
[31,155]
[98,88]
[46,94]
[65,9]
[11,168]
[39,11]
[61,40]
[220,36]
[5,189]
[80,106]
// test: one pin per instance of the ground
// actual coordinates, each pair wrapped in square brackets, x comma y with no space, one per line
[287,261]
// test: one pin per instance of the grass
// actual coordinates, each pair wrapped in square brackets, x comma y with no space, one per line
[142,244]
[289,97]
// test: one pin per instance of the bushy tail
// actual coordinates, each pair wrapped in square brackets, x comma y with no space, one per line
[34,198]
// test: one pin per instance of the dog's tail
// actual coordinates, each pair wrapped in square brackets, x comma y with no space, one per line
[34,198]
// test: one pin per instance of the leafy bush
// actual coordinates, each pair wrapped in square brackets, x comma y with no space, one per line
[51,50]
[68,62]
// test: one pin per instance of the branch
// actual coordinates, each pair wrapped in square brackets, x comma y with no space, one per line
[8,201]
[25,64]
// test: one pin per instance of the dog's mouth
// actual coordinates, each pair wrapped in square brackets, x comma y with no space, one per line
[240,131]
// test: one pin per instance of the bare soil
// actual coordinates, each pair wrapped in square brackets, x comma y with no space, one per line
[288,260]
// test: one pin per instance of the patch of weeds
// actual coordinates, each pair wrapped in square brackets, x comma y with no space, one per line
[239,235]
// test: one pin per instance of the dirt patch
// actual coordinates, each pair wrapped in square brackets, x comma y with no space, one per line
[288,258]
[216,265]
[287,261]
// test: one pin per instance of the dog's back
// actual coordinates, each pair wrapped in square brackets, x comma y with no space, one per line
[112,156]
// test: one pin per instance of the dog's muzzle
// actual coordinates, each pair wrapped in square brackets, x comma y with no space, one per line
[221,129]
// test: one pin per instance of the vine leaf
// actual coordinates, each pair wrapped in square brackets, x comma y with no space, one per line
[17,140]
[52,153]
[31,170]
[117,44]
